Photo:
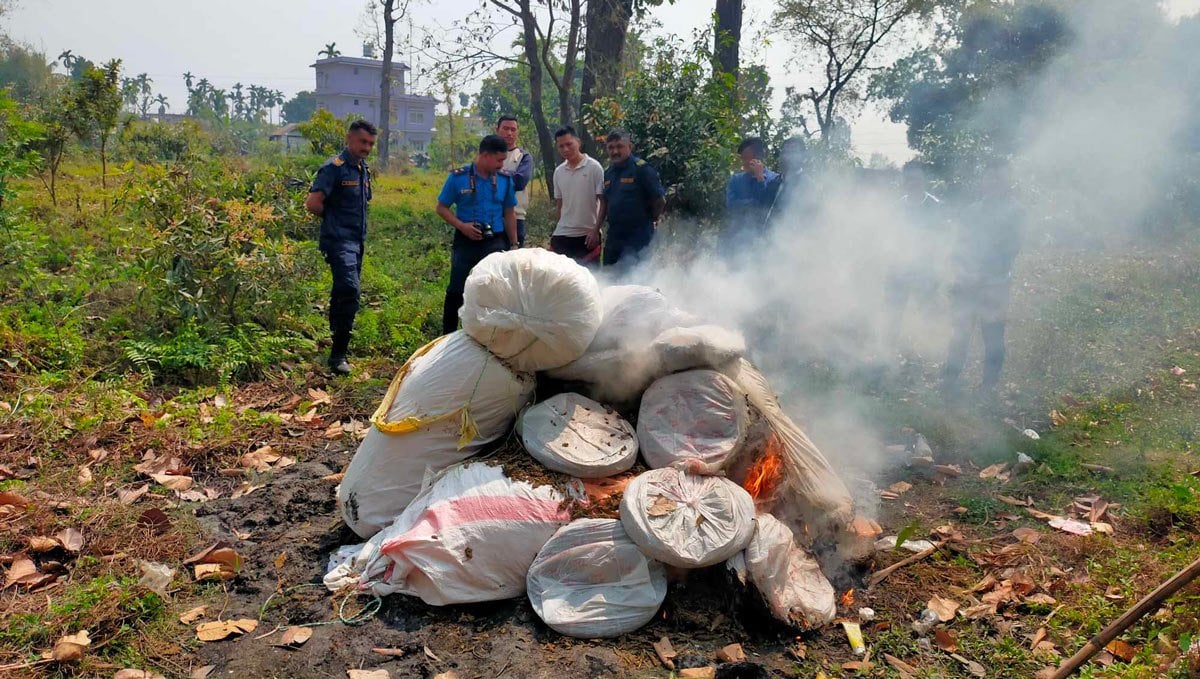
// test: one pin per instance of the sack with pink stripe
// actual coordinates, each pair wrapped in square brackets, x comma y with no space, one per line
[469,536]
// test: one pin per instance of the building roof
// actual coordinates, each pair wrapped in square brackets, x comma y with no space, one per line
[284,131]
[359,61]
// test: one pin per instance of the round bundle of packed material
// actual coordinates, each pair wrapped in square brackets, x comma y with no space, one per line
[686,520]
[590,581]
[699,418]
[572,434]
[702,346]
[787,577]
[470,536]
[633,315]
[450,399]
[533,308]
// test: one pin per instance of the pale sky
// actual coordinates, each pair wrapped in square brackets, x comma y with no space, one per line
[273,42]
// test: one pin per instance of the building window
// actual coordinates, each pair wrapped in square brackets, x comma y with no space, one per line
[356,102]
[416,117]
[355,70]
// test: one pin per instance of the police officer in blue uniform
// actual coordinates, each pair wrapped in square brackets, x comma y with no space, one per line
[339,194]
[632,202]
[484,218]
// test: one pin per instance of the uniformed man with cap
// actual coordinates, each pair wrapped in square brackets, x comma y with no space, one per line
[484,218]
[339,194]
[632,202]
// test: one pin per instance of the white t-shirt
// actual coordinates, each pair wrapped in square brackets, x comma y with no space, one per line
[577,188]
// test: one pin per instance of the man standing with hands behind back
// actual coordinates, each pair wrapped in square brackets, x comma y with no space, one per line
[519,164]
[339,194]
[633,201]
[484,218]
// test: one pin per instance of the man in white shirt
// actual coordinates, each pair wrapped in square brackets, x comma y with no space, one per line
[578,185]
[519,164]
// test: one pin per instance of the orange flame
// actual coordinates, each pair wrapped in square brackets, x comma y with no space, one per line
[765,473]
[848,598]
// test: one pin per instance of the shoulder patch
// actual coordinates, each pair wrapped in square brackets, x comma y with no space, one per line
[459,170]
[337,161]
[640,162]
[505,173]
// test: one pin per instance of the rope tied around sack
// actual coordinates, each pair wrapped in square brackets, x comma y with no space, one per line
[363,616]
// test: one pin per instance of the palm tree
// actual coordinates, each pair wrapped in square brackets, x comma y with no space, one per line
[220,103]
[187,80]
[239,101]
[67,59]
[161,100]
[144,91]
[330,51]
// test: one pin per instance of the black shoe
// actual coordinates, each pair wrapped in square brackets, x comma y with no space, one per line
[339,365]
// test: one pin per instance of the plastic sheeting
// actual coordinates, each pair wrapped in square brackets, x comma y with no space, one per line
[698,415]
[575,435]
[591,581]
[534,308]
[686,520]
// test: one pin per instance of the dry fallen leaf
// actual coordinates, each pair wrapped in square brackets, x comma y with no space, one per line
[858,665]
[223,629]
[1038,637]
[281,560]
[661,506]
[390,652]
[295,636]
[193,615]
[731,653]
[665,652]
[260,460]
[155,519]
[319,396]
[40,543]
[368,674]
[1040,598]
[1029,535]
[945,640]
[906,671]
[1071,526]
[1010,500]
[70,648]
[243,490]
[211,571]
[1121,650]
[70,539]
[14,500]
[900,487]
[945,608]
[130,496]
[84,476]
[173,482]
[21,572]
[202,672]
[993,471]
[137,674]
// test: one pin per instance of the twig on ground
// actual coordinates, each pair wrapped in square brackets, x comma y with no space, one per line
[879,576]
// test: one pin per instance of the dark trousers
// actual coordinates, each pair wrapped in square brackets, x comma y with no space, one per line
[986,305]
[521,232]
[344,296]
[624,250]
[464,255]
[574,247]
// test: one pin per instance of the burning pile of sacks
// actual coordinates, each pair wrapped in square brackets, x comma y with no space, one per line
[728,476]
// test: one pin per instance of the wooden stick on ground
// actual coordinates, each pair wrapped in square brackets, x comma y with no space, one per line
[879,576]
[1149,603]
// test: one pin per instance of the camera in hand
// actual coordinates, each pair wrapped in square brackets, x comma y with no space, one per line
[485,229]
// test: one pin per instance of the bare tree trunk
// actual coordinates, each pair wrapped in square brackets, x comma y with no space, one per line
[604,44]
[545,140]
[385,84]
[728,36]
[565,84]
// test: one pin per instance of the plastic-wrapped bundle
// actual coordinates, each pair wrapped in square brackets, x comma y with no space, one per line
[591,581]
[534,308]
[698,415]
[686,520]
[572,434]
[788,577]
[450,399]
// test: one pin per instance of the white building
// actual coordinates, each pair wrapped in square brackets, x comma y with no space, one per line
[350,86]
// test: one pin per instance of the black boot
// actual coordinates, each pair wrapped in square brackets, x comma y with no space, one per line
[337,354]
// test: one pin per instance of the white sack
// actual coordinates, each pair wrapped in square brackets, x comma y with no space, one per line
[470,536]
[632,315]
[447,402]
[590,581]
[697,415]
[686,520]
[788,577]
[703,346]
[810,484]
[534,308]
[574,435]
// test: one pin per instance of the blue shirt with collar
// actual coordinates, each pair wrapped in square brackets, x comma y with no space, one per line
[346,183]
[479,199]
[630,188]
[744,191]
